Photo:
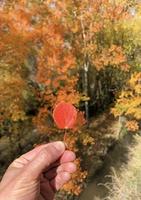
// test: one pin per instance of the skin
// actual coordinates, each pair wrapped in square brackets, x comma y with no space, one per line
[38,174]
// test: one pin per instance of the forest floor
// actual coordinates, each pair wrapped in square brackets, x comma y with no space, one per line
[111,153]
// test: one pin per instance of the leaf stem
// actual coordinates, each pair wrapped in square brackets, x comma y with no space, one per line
[65,135]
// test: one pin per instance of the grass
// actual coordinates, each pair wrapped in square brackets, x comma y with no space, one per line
[127,184]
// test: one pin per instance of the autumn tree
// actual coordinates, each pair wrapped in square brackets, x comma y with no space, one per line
[43,47]
[14,50]
[35,58]
[129,102]
[95,32]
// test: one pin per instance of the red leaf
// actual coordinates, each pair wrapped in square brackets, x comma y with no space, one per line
[65,115]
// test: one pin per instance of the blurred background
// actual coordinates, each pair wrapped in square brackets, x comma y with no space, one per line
[87,53]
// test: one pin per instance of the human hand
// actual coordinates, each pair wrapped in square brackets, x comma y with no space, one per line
[38,174]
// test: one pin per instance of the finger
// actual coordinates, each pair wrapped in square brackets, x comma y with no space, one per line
[27,157]
[68,156]
[32,154]
[61,179]
[65,167]
[44,159]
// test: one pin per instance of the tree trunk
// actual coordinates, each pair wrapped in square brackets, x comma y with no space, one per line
[85,85]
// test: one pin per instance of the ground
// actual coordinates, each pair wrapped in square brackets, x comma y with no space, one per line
[115,156]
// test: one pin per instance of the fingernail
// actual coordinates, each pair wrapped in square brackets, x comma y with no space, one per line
[59,145]
[72,168]
[66,176]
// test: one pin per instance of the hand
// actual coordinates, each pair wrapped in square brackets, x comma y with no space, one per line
[38,174]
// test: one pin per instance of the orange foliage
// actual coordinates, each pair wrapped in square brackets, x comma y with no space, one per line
[88,24]
[75,185]
[129,103]
[113,56]
[132,126]
[62,35]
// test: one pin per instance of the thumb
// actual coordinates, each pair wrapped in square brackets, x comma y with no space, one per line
[44,159]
